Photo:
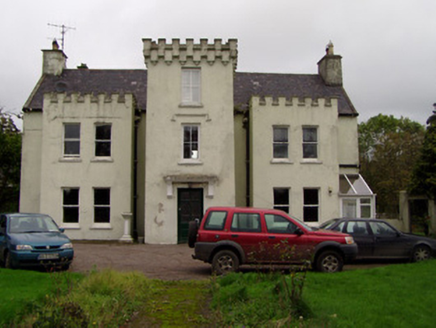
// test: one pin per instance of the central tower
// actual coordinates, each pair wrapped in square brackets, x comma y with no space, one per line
[189,146]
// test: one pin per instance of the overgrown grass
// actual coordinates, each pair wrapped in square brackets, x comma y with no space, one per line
[98,299]
[399,295]
[20,290]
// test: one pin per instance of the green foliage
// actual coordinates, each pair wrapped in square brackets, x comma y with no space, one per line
[21,289]
[424,173]
[260,300]
[10,163]
[391,296]
[388,150]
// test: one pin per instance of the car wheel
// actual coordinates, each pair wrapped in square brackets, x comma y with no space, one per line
[8,261]
[192,233]
[225,262]
[421,253]
[329,261]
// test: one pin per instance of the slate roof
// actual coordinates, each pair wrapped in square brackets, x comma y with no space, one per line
[288,85]
[86,81]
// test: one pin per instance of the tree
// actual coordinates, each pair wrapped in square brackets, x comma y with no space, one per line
[10,163]
[424,173]
[388,150]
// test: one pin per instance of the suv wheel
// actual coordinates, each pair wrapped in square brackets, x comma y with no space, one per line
[192,233]
[329,261]
[225,262]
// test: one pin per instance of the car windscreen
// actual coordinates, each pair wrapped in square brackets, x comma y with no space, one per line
[303,224]
[328,224]
[26,224]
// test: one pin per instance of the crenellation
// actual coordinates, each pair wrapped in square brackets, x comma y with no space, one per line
[190,51]
[77,97]
[292,101]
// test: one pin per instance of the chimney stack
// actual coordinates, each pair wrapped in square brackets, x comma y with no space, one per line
[330,67]
[54,61]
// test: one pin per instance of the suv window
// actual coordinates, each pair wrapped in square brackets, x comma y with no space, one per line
[278,224]
[246,222]
[215,221]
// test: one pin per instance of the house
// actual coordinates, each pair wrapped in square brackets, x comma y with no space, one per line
[116,154]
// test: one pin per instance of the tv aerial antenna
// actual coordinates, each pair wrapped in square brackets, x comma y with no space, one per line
[64,30]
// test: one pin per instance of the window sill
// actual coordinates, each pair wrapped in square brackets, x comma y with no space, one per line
[70,159]
[102,160]
[190,162]
[101,226]
[281,161]
[191,105]
[70,226]
[311,161]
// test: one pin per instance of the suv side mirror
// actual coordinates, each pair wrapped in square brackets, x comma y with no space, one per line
[298,231]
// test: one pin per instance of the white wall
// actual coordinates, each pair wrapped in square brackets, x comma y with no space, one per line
[87,171]
[296,173]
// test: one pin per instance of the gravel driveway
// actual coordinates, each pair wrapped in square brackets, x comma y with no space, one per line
[167,262]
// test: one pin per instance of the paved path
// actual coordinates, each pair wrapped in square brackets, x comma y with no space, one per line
[167,262]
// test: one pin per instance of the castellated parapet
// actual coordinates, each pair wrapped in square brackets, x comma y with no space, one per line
[294,101]
[56,97]
[218,51]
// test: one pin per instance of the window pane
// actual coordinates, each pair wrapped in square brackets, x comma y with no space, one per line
[365,211]
[71,215]
[102,196]
[246,222]
[280,134]
[102,149]
[191,81]
[311,214]
[103,132]
[310,151]
[71,196]
[101,214]
[349,209]
[310,196]
[190,142]
[72,131]
[281,196]
[280,151]
[215,221]
[310,135]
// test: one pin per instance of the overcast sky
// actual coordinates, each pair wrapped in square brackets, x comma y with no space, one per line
[388,47]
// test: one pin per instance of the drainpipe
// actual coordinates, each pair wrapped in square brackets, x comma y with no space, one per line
[246,126]
[135,179]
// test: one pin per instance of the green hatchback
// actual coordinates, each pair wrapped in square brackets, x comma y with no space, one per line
[33,240]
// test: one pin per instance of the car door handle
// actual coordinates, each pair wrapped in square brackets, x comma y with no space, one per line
[235,236]
[271,237]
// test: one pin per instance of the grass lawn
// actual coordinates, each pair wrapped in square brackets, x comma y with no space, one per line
[20,289]
[400,295]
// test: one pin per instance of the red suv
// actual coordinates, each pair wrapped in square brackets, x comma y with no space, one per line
[228,237]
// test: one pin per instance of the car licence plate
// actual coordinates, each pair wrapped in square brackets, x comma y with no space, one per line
[53,256]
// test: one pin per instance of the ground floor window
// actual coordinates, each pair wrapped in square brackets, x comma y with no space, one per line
[281,199]
[311,205]
[70,205]
[102,201]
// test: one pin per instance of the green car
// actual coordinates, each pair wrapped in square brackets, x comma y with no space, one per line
[33,240]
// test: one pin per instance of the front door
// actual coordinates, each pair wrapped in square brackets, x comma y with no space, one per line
[190,207]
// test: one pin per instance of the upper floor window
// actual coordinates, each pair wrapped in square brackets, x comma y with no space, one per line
[311,205]
[280,142]
[310,142]
[191,86]
[102,205]
[70,205]
[72,140]
[190,142]
[103,140]
[281,199]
